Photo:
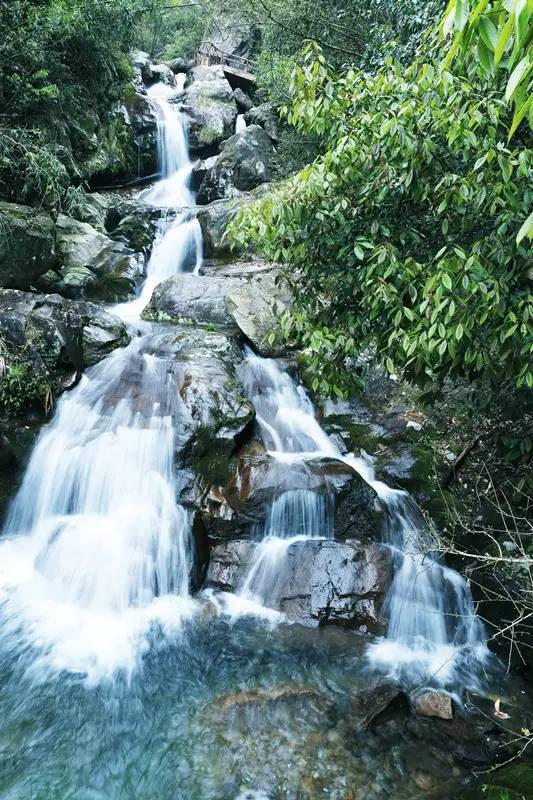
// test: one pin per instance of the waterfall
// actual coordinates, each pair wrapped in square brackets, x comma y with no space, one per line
[433,631]
[96,550]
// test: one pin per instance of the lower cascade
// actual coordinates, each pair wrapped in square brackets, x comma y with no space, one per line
[110,631]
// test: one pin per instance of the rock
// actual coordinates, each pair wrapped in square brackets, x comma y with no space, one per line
[233,36]
[246,160]
[301,707]
[317,582]
[141,123]
[142,68]
[211,414]
[244,102]
[162,73]
[358,512]
[178,65]
[434,704]
[210,105]
[200,169]
[91,264]
[135,223]
[214,220]
[256,308]
[27,245]
[49,340]
[368,704]
[191,298]
[89,207]
[226,563]
[266,116]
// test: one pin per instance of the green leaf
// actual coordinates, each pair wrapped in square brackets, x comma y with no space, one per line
[526,229]
[519,114]
[447,281]
[485,55]
[503,39]
[517,75]
[462,11]
[488,32]
[459,332]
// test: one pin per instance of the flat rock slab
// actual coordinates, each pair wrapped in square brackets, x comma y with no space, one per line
[192,298]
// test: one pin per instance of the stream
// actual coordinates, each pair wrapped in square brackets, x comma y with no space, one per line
[118,681]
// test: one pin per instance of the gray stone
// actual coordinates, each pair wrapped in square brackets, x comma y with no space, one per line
[368,704]
[191,298]
[266,116]
[246,161]
[319,581]
[27,245]
[91,264]
[244,102]
[162,73]
[210,105]
[256,308]
[178,65]
[52,339]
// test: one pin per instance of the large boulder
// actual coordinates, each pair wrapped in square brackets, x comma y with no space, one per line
[256,308]
[192,298]
[162,73]
[214,219]
[91,264]
[318,581]
[266,116]
[243,100]
[210,105]
[27,245]
[180,65]
[242,504]
[211,414]
[246,161]
[135,223]
[46,341]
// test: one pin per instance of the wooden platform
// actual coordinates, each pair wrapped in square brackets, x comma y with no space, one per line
[238,75]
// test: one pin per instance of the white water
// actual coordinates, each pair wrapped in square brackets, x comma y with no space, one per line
[433,631]
[288,427]
[95,549]
[179,244]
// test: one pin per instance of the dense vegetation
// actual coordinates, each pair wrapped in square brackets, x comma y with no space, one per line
[64,65]
[409,232]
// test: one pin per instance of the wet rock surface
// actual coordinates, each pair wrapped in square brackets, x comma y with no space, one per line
[318,582]
[434,704]
[266,117]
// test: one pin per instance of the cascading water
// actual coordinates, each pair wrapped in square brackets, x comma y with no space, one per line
[433,632]
[95,548]
[290,432]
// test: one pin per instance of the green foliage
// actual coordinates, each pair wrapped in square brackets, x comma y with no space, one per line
[496,35]
[64,65]
[403,232]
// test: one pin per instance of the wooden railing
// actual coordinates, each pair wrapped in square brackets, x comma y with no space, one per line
[208,54]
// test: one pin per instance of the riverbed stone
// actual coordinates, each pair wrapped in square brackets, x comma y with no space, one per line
[210,411]
[27,245]
[434,704]
[246,160]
